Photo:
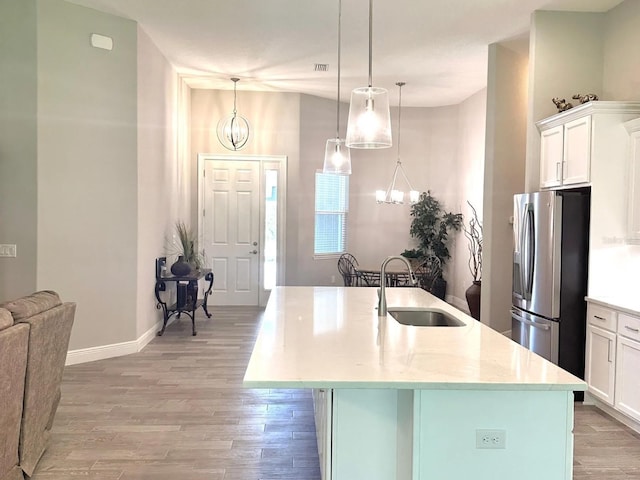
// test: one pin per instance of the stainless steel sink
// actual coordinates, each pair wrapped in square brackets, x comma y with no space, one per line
[422,317]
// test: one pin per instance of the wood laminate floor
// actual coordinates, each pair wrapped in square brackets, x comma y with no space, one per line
[178,411]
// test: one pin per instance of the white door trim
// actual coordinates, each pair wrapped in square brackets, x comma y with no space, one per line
[267,162]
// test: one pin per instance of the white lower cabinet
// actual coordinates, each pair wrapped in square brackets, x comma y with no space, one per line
[600,363]
[600,352]
[612,359]
[628,366]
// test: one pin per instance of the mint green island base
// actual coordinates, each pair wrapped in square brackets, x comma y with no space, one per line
[431,434]
[414,403]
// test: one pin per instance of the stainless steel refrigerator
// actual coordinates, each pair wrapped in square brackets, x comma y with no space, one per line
[551,249]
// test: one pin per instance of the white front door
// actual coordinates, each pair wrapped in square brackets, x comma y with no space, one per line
[231,230]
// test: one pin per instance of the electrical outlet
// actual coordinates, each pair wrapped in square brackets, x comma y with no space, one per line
[333,279]
[8,251]
[496,439]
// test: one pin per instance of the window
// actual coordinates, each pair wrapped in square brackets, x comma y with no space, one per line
[332,205]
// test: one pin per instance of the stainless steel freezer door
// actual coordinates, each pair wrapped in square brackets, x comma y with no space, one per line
[538,334]
[537,224]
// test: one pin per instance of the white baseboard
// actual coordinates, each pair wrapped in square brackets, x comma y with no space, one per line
[612,412]
[506,333]
[91,354]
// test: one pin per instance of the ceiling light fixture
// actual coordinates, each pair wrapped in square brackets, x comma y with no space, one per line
[337,157]
[233,131]
[369,124]
[393,195]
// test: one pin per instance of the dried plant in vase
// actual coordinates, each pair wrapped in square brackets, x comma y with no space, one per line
[187,251]
[473,232]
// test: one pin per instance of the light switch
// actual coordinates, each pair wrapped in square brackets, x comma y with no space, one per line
[7,250]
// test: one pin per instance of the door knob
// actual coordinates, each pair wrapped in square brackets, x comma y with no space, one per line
[254,252]
[255,244]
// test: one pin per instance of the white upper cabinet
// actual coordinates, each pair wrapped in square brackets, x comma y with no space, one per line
[551,153]
[577,151]
[633,168]
[571,141]
[565,154]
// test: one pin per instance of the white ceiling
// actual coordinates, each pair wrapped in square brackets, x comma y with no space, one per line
[438,47]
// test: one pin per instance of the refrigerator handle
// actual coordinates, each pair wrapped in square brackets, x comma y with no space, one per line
[527,251]
[520,319]
[531,258]
[523,253]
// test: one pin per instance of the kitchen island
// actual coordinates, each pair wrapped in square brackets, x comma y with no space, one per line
[403,402]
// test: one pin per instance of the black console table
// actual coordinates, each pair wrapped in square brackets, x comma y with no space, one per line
[187,301]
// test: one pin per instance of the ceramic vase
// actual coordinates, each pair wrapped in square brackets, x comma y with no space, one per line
[473,298]
[180,268]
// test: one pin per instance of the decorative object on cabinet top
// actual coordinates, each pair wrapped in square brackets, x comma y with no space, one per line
[589,97]
[606,106]
[561,104]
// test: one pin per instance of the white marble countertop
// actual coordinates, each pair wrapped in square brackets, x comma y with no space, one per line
[332,337]
[624,303]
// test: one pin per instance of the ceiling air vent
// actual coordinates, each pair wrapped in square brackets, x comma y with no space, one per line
[321,67]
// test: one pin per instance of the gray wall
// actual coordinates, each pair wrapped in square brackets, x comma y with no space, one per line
[87,169]
[91,176]
[504,176]
[159,171]
[18,152]
[621,66]
[469,173]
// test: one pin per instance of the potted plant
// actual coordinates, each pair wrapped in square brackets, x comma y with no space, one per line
[431,226]
[473,232]
[187,250]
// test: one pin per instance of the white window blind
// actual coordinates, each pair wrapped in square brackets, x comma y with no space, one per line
[332,205]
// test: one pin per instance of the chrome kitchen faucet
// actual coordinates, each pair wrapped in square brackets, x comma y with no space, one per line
[382,298]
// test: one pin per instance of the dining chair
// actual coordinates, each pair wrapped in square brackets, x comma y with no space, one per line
[369,279]
[347,267]
[428,271]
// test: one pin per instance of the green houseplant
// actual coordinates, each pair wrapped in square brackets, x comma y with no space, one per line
[431,226]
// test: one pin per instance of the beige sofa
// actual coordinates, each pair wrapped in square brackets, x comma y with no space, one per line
[34,337]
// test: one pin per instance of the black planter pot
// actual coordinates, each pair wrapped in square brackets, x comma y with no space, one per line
[473,299]
[439,288]
[180,268]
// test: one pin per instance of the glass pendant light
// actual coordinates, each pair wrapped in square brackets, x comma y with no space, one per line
[337,157]
[233,131]
[392,194]
[369,123]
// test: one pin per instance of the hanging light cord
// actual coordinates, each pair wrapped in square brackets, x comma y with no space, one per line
[235,84]
[392,185]
[338,96]
[370,42]
[399,84]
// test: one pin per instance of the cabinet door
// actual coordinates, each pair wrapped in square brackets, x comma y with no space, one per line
[634,187]
[627,385]
[577,151]
[551,151]
[600,363]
